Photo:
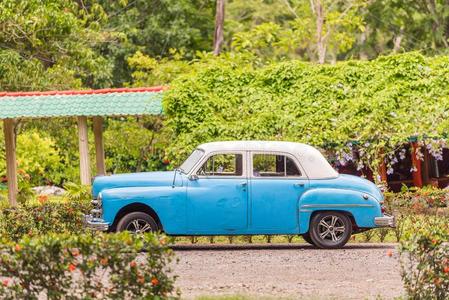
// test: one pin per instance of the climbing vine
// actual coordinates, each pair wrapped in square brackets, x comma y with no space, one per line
[373,107]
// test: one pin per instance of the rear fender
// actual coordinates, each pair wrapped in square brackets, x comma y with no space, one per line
[328,199]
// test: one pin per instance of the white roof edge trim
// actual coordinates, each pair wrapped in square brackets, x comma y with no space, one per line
[312,161]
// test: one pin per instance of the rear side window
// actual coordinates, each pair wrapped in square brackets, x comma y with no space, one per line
[222,165]
[273,165]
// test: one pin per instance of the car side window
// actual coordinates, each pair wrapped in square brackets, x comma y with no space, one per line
[222,165]
[274,165]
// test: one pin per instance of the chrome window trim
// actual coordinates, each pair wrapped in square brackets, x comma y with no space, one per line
[287,154]
[208,155]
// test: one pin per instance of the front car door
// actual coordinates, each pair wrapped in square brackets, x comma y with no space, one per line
[276,184]
[217,200]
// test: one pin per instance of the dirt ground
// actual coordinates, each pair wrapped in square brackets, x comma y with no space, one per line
[359,271]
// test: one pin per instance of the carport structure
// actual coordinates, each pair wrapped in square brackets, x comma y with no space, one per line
[82,104]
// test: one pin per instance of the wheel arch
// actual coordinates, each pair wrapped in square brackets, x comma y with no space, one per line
[306,223]
[136,207]
[345,212]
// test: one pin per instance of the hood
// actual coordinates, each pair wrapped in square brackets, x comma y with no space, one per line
[145,179]
[350,182]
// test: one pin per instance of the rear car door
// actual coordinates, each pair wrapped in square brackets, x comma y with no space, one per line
[276,184]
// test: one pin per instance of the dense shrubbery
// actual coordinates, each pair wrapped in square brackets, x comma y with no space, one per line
[40,218]
[379,104]
[425,258]
[427,200]
[100,266]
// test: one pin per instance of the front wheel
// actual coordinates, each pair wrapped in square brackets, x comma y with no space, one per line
[330,230]
[137,222]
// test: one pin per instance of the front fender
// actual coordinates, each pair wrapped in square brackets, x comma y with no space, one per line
[169,203]
[319,199]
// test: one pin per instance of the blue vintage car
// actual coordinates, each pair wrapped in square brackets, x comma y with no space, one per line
[242,188]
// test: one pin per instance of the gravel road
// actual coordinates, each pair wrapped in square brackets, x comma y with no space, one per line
[359,271]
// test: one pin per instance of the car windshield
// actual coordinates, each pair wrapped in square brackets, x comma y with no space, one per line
[191,161]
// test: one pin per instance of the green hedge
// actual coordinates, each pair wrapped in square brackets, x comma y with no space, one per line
[372,104]
[37,219]
[100,266]
[425,258]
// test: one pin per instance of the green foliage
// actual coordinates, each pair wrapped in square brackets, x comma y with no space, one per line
[378,103]
[148,71]
[100,266]
[43,217]
[37,155]
[77,192]
[425,259]
[63,134]
[138,147]
[49,44]
[25,192]
[155,27]
[427,200]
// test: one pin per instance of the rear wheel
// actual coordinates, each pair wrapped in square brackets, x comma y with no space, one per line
[330,229]
[137,222]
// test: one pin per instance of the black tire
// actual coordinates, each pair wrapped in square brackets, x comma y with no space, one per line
[323,230]
[137,222]
[306,237]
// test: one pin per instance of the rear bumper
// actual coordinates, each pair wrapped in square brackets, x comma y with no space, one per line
[95,223]
[385,221]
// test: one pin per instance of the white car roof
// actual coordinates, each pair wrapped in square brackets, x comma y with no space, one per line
[311,160]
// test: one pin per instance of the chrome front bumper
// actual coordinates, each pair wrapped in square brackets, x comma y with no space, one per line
[95,223]
[385,221]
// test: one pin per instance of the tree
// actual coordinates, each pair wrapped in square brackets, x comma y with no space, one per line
[219,23]
[153,27]
[48,44]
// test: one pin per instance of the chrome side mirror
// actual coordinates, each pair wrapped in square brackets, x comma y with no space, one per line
[193,177]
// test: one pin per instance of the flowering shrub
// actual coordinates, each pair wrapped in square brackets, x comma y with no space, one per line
[425,200]
[100,266]
[425,258]
[42,217]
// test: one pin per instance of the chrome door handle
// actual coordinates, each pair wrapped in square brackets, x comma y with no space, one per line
[300,184]
[243,183]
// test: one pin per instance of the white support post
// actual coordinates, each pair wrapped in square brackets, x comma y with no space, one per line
[99,145]
[84,151]
[11,161]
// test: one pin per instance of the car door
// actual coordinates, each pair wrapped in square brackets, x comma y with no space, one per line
[276,184]
[217,197]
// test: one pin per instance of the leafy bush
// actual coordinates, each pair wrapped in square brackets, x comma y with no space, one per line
[425,258]
[379,104]
[417,201]
[100,266]
[44,217]
[138,146]
[77,192]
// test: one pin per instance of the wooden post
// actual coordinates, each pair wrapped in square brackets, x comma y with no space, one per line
[11,162]
[383,171]
[99,145]
[383,167]
[426,168]
[84,151]
[416,162]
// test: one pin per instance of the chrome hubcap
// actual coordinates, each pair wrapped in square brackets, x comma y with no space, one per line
[138,226]
[331,228]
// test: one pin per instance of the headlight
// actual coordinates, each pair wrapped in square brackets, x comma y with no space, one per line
[97,211]
[98,201]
